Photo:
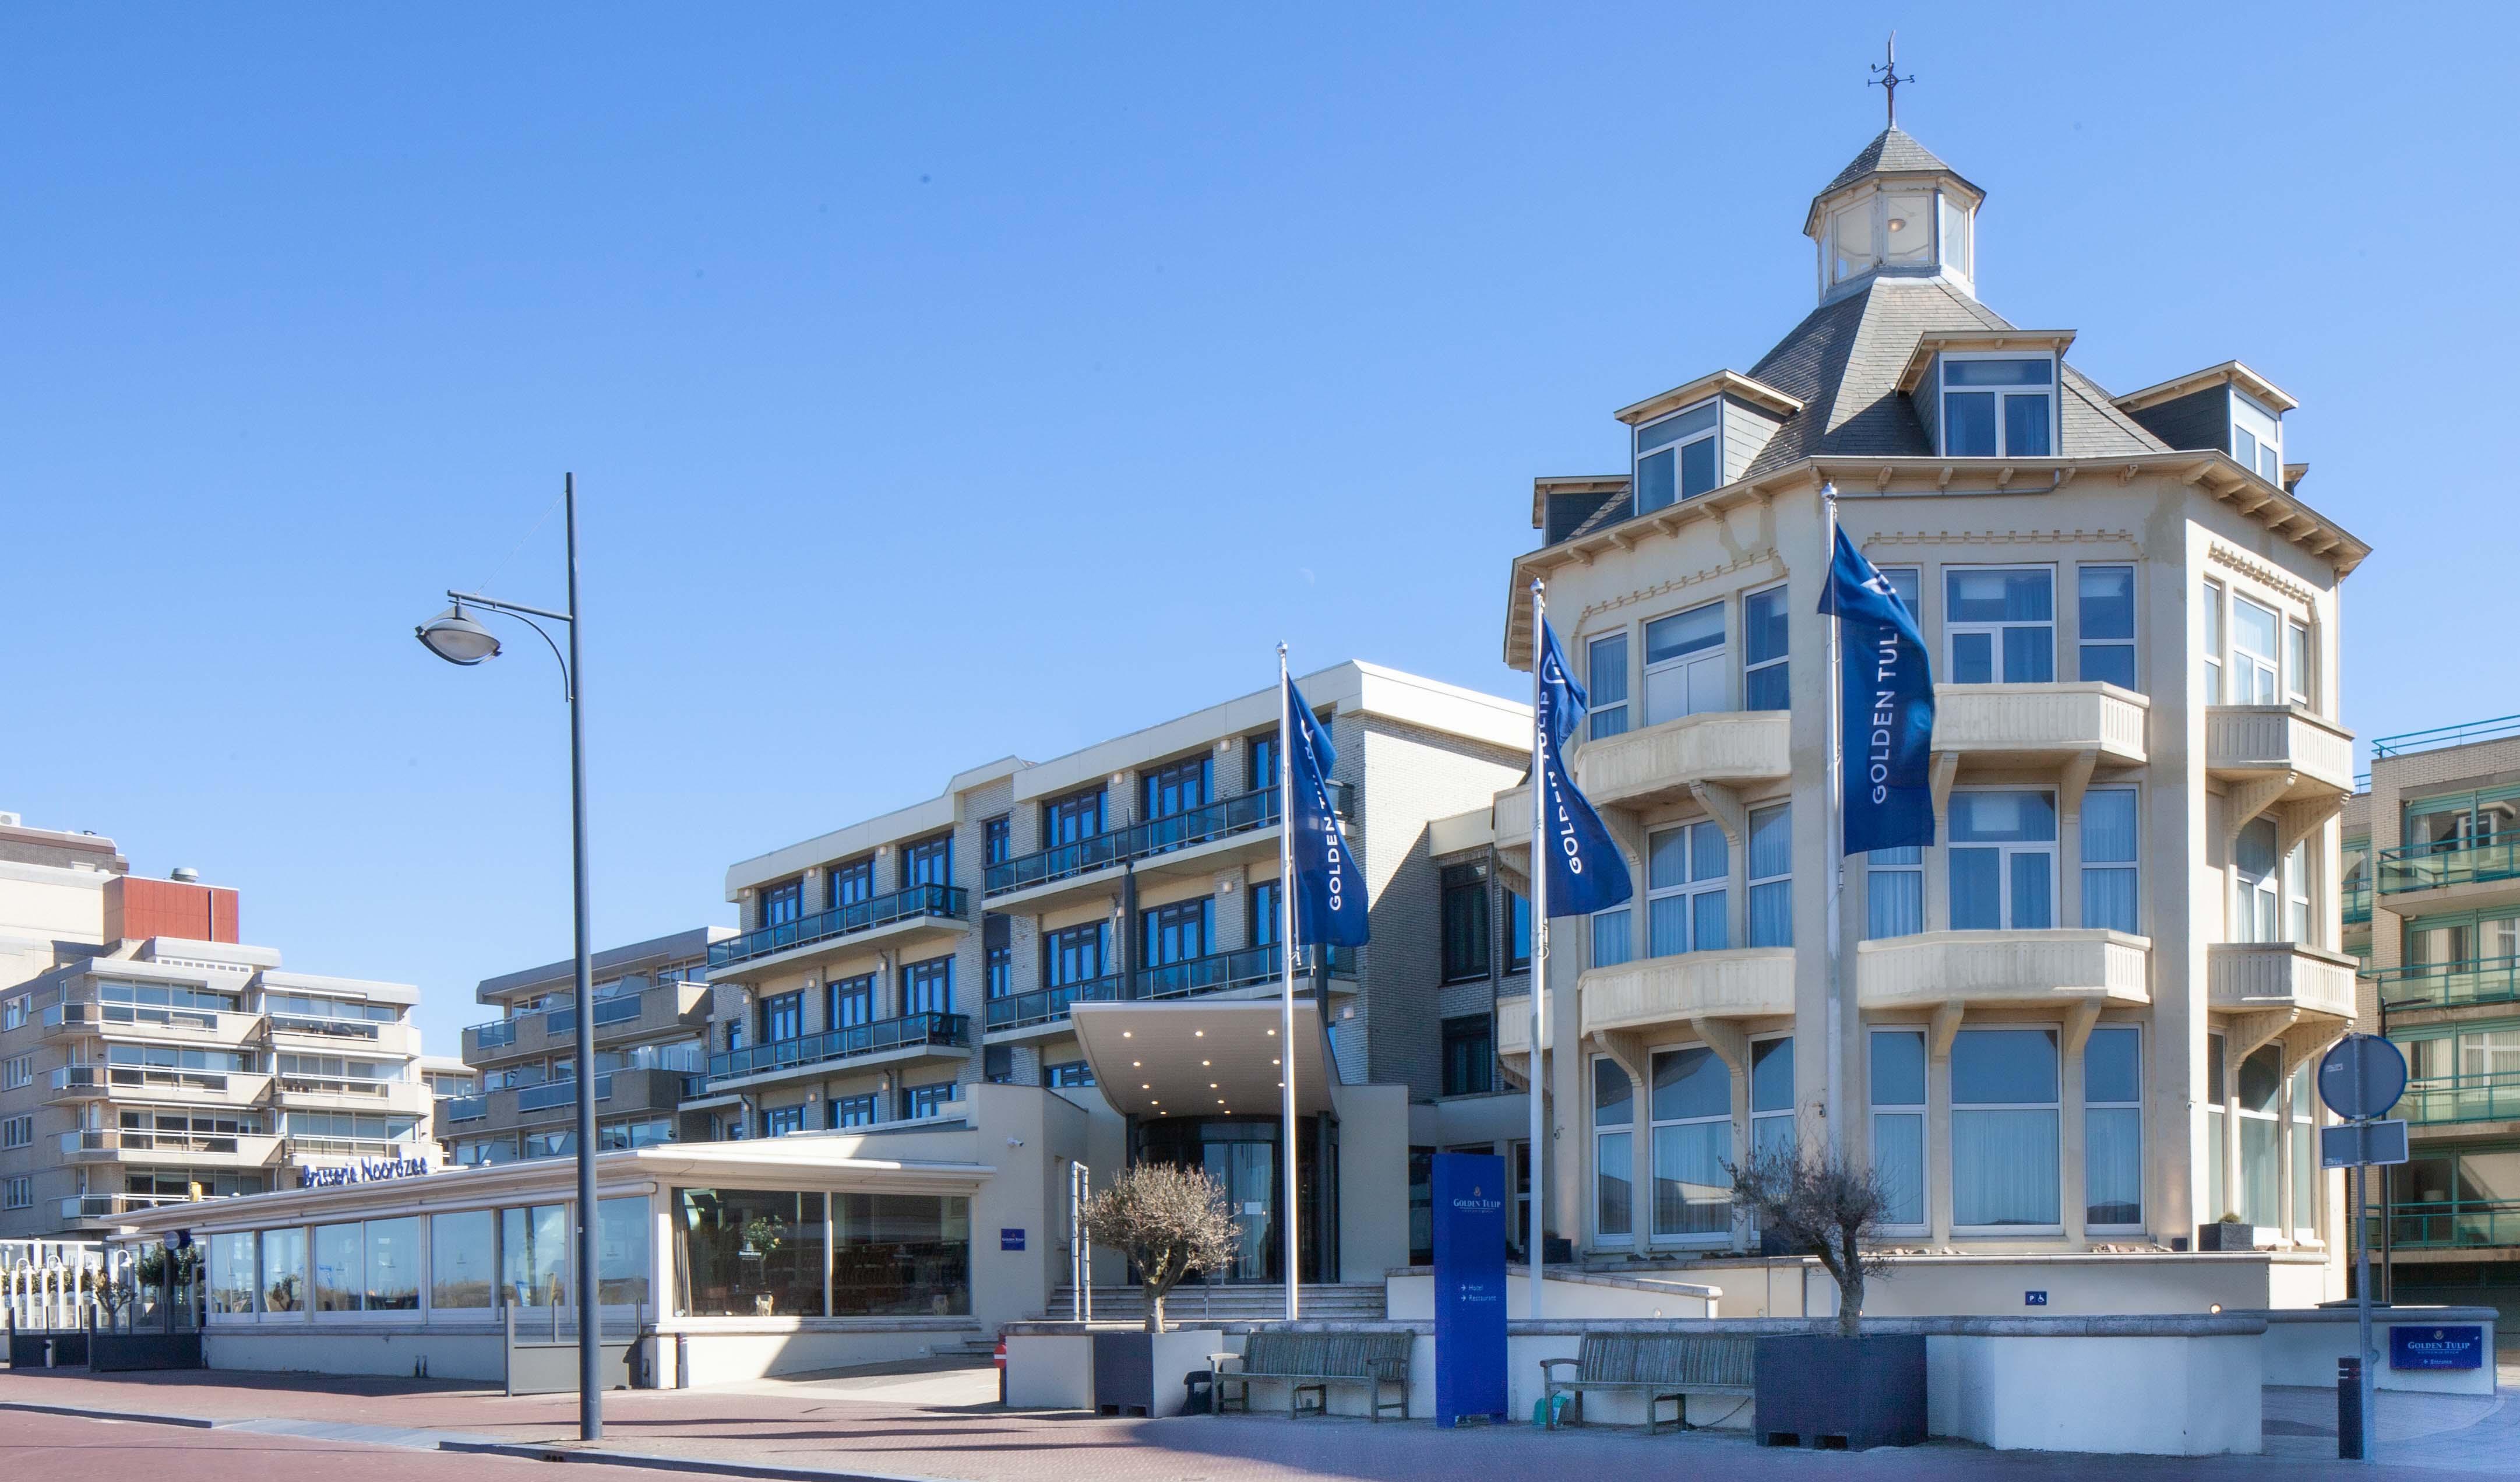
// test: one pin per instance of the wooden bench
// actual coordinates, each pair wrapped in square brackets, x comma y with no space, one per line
[1658,1366]
[1314,1361]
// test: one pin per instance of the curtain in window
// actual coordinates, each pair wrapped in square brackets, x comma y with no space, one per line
[1612,1159]
[2216,1199]
[1610,946]
[1894,898]
[2113,1165]
[1692,1194]
[2304,1177]
[1771,914]
[1977,889]
[2258,1172]
[1771,855]
[1899,1159]
[2003,1167]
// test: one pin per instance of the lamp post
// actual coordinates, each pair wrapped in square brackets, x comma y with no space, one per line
[459,640]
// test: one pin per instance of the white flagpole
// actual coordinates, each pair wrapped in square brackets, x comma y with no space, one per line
[1836,1116]
[1534,1248]
[1287,957]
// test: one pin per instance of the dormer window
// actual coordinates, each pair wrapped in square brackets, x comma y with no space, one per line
[2257,438]
[1999,406]
[1675,457]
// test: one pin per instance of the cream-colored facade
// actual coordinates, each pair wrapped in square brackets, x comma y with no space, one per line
[2137,768]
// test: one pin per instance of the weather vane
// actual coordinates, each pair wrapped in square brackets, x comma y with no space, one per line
[1890,80]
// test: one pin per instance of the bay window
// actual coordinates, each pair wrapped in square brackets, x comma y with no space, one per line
[2257,885]
[2212,627]
[2003,859]
[1605,670]
[1772,1095]
[1693,1141]
[1894,893]
[1685,664]
[1897,1075]
[1613,1153]
[2109,883]
[2297,685]
[1687,870]
[2260,1082]
[2303,1112]
[2006,1138]
[1772,876]
[2001,624]
[2105,616]
[2113,1128]
[2254,675]
[1765,682]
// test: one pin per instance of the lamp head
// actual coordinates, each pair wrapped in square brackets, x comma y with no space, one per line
[458,639]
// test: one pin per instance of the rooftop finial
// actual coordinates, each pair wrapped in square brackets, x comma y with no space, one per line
[1890,80]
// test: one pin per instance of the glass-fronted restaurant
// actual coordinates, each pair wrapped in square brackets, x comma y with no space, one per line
[787,1254]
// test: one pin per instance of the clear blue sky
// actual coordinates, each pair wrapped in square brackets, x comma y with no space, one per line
[949,381]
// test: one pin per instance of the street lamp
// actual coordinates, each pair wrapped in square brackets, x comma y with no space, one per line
[459,640]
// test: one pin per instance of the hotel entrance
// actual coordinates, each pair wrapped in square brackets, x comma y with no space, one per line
[1243,1156]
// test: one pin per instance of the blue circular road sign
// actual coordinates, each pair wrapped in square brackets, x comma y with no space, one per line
[2361,1077]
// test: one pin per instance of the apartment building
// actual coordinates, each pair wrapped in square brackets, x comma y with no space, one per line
[1104,926]
[2433,852]
[2080,1025]
[652,1010]
[148,1057]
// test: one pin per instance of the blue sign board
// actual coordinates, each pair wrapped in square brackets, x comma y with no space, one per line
[1469,1287]
[1010,1240]
[2034,1299]
[2412,1345]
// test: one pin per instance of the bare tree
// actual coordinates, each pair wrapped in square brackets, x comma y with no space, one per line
[1822,1206]
[1171,1222]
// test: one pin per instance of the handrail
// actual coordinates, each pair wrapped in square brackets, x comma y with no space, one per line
[132,1139]
[1044,1006]
[326,1026]
[2462,1098]
[466,1108]
[100,1077]
[151,1015]
[562,1018]
[2436,985]
[2357,904]
[843,1044]
[2406,741]
[2447,862]
[2466,1223]
[951,902]
[1221,819]
[561,1093]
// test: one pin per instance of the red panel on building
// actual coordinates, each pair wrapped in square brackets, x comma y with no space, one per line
[136,907]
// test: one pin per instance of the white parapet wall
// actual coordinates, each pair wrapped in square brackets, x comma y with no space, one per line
[1409,1295]
[2302,1347]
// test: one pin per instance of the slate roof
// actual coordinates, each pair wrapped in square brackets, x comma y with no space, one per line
[1893,151]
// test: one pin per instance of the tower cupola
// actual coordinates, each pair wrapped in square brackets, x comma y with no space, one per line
[1895,210]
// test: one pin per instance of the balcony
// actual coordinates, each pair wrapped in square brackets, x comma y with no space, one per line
[1194,834]
[140,1022]
[1513,1035]
[299,1149]
[2463,1225]
[361,1036]
[1658,763]
[2040,724]
[1747,982]
[2455,1100]
[2249,976]
[2246,743]
[463,1108]
[1048,1006]
[2357,904]
[2003,969]
[2482,872]
[215,1088]
[904,1038]
[551,1094]
[895,914]
[619,1017]
[353,1093]
[131,1145]
[2449,985]
[108,1206]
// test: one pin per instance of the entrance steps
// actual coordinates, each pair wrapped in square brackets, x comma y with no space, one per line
[1232,1302]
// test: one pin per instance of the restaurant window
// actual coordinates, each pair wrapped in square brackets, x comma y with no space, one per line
[533,1256]
[748,1253]
[1693,1141]
[2004,1129]
[339,1278]
[1613,1153]
[900,1255]
[621,1252]
[233,1273]
[463,1260]
[2113,1128]
[284,1270]
[1466,922]
[394,1264]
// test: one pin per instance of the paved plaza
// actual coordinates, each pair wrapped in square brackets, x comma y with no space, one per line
[934,1421]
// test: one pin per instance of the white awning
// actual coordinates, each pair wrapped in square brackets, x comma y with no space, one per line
[1203,1058]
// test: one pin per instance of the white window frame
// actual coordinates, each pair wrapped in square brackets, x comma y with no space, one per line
[1877,1109]
[2258,678]
[2300,1107]
[1593,729]
[21,1071]
[1780,664]
[2257,905]
[1873,204]
[2084,642]
[1593,936]
[1690,668]
[20,1193]
[18,1131]
[1689,889]
[2090,1106]
[2298,923]
[1951,1092]
[2212,636]
[1764,1121]
[2234,1182]
[2053,391]
[2298,663]
[1653,1126]
[2052,848]
[2265,455]
[1639,449]
[1625,1130]
[1881,863]
[1755,884]
[2086,865]
[1955,630]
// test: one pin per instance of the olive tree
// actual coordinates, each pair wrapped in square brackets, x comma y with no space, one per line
[1169,1222]
[1820,1205]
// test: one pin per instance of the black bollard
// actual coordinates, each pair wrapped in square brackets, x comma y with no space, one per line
[2349,1409]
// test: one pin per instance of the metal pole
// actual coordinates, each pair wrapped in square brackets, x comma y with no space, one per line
[1535,1248]
[1286,957]
[2363,1300]
[1836,1060]
[590,1335]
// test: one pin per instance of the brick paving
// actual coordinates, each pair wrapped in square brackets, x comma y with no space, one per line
[913,1426]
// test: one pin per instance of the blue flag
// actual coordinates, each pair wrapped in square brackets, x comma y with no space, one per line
[1888,719]
[1330,892]
[1586,870]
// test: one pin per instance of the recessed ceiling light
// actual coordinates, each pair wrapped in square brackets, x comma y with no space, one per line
[1143,1086]
[1272,1034]
[1277,1062]
[1137,1064]
[1199,1034]
[1211,1085]
[1220,1100]
[1208,1063]
[1128,1034]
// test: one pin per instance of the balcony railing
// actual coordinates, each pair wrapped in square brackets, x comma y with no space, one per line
[466,1108]
[903,1033]
[621,1009]
[2449,985]
[292,1084]
[2449,862]
[105,1206]
[2462,1098]
[494,1034]
[326,1026]
[1046,1006]
[695,1084]
[2357,904]
[123,1139]
[137,1078]
[951,902]
[1209,975]
[1183,980]
[130,1016]
[1201,825]
[2454,1225]
[347,1148]
[560,1093]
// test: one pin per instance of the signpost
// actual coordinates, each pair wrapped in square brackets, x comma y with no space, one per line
[2360,1079]
[1469,1287]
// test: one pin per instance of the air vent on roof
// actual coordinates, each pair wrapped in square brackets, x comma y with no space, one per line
[185,873]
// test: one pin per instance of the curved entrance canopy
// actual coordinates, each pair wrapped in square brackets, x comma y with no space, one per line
[1201,1059]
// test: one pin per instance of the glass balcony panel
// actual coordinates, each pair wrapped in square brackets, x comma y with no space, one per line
[855,1040]
[946,901]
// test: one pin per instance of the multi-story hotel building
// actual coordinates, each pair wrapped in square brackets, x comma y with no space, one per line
[2079,1023]
[2433,907]
[1104,926]
[651,1009]
[148,1057]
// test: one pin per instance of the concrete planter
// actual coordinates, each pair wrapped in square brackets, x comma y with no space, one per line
[1140,1374]
[2225,1237]
[1822,1390]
